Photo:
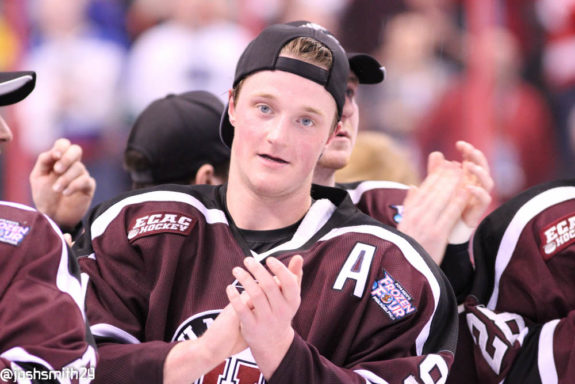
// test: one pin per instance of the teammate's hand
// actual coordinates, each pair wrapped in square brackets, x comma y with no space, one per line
[61,186]
[432,209]
[480,183]
[274,298]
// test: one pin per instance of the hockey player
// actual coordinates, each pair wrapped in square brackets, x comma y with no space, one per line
[184,278]
[520,316]
[43,334]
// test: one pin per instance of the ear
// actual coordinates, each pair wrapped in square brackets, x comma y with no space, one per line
[231,108]
[206,175]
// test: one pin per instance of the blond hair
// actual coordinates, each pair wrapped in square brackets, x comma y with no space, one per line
[376,156]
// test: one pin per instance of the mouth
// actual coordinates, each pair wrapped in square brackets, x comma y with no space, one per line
[343,134]
[274,159]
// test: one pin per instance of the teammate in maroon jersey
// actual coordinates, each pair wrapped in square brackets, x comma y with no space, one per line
[43,334]
[184,278]
[520,316]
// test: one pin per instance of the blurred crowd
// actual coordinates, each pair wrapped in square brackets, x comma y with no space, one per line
[499,74]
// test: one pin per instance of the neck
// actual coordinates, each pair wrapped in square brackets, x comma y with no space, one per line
[324,176]
[253,211]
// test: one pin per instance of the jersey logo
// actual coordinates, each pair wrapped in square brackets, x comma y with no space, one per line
[160,223]
[240,368]
[398,213]
[557,236]
[392,297]
[12,232]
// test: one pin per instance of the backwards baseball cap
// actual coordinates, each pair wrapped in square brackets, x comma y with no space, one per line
[263,54]
[178,134]
[15,86]
[366,68]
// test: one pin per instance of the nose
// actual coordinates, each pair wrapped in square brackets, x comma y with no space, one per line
[5,132]
[278,130]
[348,108]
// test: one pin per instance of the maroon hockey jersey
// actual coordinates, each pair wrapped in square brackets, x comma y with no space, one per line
[521,315]
[382,200]
[43,333]
[374,307]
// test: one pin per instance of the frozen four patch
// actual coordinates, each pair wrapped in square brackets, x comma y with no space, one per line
[161,222]
[392,297]
[12,232]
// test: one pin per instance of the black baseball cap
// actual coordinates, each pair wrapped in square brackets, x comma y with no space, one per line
[15,86]
[366,68]
[178,134]
[263,53]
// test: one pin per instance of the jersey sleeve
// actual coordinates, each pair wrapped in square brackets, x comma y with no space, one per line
[41,301]
[412,342]
[508,348]
[118,290]
[458,268]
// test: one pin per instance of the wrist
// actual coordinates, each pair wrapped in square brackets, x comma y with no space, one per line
[461,233]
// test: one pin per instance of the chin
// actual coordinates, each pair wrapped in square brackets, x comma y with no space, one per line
[334,160]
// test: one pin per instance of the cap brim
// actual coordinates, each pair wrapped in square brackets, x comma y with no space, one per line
[226,129]
[15,86]
[367,69]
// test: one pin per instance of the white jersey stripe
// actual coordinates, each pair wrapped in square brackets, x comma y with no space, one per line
[545,358]
[110,331]
[370,377]
[513,232]
[65,281]
[101,223]
[412,256]
[365,186]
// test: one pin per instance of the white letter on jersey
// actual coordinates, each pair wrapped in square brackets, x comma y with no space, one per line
[356,267]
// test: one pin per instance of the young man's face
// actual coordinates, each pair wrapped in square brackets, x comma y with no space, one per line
[282,124]
[338,151]
[5,134]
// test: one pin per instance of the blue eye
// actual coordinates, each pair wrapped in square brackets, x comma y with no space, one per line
[306,122]
[264,108]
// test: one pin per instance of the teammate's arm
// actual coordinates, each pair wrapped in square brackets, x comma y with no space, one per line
[509,349]
[41,284]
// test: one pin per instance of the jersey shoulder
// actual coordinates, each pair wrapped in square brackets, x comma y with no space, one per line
[535,228]
[18,222]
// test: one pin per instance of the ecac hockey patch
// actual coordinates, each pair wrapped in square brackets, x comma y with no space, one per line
[12,232]
[392,297]
[161,222]
[557,236]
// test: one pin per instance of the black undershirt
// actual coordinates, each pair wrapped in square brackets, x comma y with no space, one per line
[262,241]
